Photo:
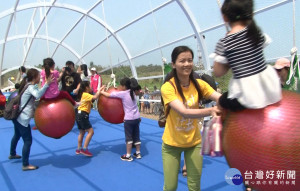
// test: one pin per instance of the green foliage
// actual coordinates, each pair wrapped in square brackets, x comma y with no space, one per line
[223,81]
[125,71]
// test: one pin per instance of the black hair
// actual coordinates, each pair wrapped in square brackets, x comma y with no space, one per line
[130,84]
[69,63]
[242,10]
[82,88]
[68,69]
[22,69]
[17,86]
[47,64]
[83,68]
[175,53]
[133,87]
[31,74]
[125,82]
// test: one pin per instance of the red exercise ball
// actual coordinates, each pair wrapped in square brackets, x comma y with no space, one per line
[111,109]
[261,140]
[54,118]
[2,103]
[2,100]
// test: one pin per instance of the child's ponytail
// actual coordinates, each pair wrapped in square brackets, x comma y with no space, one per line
[82,88]
[47,64]
[254,33]
[133,86]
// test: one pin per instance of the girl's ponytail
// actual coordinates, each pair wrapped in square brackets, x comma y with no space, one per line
[254,33]
[82,88]
[48,63]
[47,70]
[133,86]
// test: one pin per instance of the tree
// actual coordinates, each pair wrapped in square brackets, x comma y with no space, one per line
[92,64]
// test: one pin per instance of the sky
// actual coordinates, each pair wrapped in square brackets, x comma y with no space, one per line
[165,26]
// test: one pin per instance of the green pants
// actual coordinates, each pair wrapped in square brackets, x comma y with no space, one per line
[171,157]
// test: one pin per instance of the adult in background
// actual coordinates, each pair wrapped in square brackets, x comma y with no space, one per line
[96,83]
[82,70]
[22,71]
[70,80]
[282,66]
[146,106]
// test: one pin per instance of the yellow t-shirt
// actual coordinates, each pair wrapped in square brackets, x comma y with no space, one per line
[180,131]
[86,102]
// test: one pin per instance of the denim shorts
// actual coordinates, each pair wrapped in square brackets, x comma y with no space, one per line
[83,120]
[132,131]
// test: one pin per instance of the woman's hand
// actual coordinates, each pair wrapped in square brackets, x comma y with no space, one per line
[215,111]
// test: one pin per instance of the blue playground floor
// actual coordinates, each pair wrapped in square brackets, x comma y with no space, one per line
[62,170]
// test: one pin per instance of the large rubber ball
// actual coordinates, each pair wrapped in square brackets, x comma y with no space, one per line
[111,109]
[2,100]
[54,118]
[2,104]
[264,144]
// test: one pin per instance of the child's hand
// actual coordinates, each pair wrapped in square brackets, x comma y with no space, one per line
[49,80]
[75,92]
[102,88]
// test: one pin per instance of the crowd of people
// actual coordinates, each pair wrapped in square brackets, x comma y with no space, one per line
[80,88]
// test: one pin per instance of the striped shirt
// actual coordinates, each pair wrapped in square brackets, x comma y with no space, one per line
[244,58]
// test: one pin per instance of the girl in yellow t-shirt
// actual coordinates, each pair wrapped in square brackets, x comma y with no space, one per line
[82,117]
[182,134]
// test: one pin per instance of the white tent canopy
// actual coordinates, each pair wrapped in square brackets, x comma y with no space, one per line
[131,33]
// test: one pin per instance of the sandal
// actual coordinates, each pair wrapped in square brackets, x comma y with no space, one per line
[184,172]
[14,156]
[29,167]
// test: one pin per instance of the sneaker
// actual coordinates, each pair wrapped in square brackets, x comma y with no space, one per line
[86,152]
[138,156]
[14,156]
[78,151]
[123,157]
[29,167]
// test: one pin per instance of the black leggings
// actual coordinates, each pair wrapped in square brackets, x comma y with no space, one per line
[231,104]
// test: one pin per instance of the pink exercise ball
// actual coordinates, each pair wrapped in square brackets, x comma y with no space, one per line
[266,140]
[54,118]
[111,109]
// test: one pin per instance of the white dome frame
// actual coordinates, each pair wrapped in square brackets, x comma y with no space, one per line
[30,37]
